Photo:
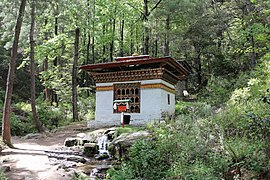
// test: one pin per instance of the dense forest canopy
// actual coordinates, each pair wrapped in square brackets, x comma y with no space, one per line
[226,42]
[214,37]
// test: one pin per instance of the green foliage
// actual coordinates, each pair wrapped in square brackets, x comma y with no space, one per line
[248,154]
[3,176]
[202,143]
[198,109]
[51,116]
[19,125]
[217,91]
[79,176]
[86,104]
[127,129]
[146,161]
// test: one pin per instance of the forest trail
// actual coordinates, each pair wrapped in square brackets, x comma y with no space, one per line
[29,160]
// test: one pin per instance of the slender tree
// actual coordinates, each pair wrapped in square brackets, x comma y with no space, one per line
[112,21]
[46,67]
[93,35]
[33,69]
[122,37]
[55,61]
[74,75]
[146,28]
[167,37]
[146,14]
[10,79]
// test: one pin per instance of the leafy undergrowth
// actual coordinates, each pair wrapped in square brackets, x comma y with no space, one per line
[228,141]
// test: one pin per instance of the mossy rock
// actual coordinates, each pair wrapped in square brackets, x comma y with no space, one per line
[90,149]
[69,142]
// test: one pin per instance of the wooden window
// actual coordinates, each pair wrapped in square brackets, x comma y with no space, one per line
[128,91]
[169,99]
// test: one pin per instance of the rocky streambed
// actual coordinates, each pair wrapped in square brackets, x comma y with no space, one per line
[101,149]
[86,154]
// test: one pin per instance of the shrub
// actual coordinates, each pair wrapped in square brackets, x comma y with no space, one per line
[217,90]
[147,160]
[20,126]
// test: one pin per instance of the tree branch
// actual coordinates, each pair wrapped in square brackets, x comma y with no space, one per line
[154,7]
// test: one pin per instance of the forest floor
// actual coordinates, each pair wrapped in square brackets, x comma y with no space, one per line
[29,159]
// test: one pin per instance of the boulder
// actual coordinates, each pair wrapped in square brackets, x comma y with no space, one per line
[93,136]
[127,139]
[119,146]
[90,149]
[81,135]
[69,142]
[77,159]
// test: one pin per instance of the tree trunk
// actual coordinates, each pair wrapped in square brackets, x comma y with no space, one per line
[10,79]
[146,40]
[32,70]
[56,33]
[167,37]
[93,50]
[87,79]
[146,28]
[131,40]
[199,69]
[55,61]
[112,42]
[122,38]
[103,46]
[47,91]
[46,67]
[93,35]
[74,76]
[156,39]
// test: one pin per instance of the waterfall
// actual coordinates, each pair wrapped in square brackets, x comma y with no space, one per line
[103,152]
[103,144]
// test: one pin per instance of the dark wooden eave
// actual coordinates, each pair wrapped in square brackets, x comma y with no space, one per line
[137,68]
[138,63]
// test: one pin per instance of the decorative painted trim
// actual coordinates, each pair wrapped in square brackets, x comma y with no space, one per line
[133,75]
[143,86]
[104,88]
[159,85]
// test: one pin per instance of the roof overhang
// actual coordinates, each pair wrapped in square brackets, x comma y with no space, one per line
[140,62]
[138,68]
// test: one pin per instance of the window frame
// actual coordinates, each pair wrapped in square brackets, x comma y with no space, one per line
[134,95]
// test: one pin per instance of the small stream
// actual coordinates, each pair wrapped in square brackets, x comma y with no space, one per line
[72,159]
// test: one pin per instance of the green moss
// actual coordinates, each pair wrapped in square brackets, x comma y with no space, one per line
[128,129]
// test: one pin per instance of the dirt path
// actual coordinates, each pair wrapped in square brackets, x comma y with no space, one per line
[30,162]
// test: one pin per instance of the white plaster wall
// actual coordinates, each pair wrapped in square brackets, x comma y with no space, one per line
[153,103]
[104,102]
[165,107]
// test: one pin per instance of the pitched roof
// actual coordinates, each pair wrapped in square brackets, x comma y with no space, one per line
[137,62]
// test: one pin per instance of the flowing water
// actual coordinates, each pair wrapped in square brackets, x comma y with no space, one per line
[103,154]
[103,145]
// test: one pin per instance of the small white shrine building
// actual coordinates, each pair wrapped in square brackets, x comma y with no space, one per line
[148,83]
